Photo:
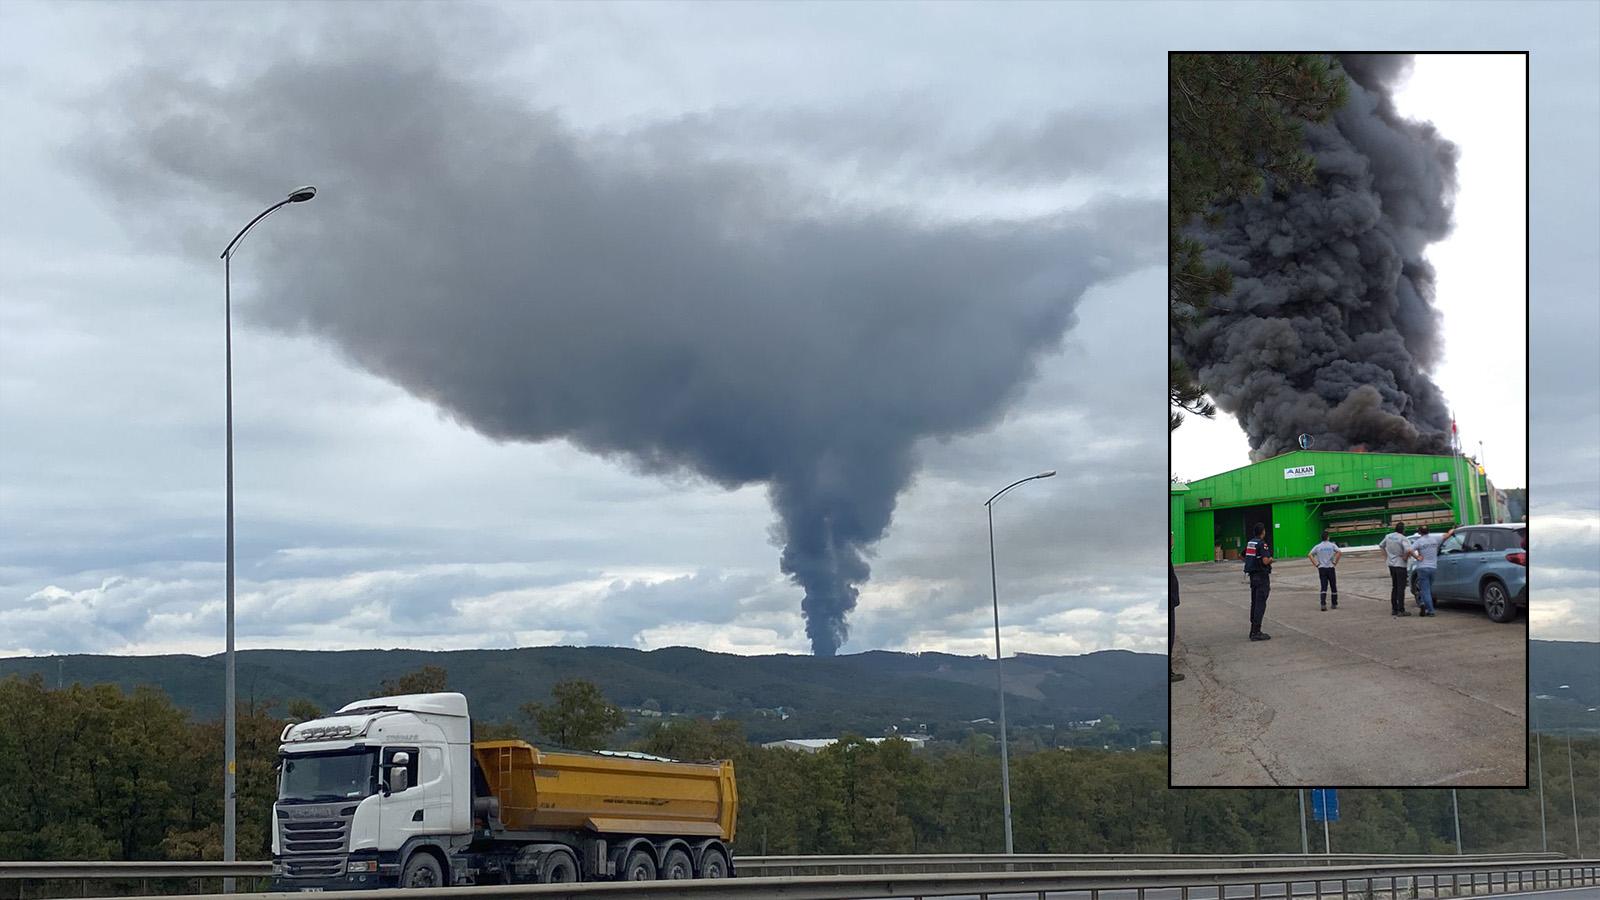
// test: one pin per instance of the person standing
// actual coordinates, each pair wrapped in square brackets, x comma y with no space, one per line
[1396,549]
[1426,550]
[1172,611]
[1258,565]
[1325,556]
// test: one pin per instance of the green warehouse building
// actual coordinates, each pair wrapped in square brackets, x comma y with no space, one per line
[1357,496]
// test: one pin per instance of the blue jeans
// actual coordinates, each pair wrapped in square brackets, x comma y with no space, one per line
[1425,586]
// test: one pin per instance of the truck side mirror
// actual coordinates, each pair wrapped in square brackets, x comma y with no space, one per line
[398,774]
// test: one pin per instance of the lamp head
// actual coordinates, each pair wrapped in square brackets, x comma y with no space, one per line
[1047,474]
[301,195]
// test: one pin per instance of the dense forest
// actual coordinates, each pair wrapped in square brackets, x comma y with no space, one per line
[776,696]
[96,772]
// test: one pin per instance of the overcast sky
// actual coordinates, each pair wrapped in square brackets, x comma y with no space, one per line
[437,448]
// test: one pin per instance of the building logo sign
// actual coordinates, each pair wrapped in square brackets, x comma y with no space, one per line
[1300,472]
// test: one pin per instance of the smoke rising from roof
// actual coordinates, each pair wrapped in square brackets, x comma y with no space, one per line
[677,313]
[1330,329]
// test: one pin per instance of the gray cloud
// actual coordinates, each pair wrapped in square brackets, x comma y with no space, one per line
[707,317]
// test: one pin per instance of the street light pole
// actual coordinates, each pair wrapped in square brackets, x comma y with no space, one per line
[1538,749]
[1305,848]
[999,674]
[1572,786]
[1455,811]
[230,764]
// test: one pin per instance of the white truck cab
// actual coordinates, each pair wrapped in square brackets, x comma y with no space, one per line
[360,790]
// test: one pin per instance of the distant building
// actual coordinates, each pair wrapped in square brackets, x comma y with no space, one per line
[813,745]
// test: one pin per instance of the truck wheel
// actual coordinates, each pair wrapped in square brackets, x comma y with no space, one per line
[558,868]
[422,871]
[1496,602]
[677,865]
[639,866]
[714,864]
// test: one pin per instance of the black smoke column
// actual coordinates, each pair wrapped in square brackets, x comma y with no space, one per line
[1330,329]
[678,312]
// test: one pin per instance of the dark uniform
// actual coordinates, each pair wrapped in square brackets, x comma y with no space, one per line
[1172,612]
[1255,551]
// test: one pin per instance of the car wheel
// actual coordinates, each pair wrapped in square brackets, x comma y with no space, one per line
[422,871]
[1496,602]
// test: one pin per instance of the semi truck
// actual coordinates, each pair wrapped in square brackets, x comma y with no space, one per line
[393,792]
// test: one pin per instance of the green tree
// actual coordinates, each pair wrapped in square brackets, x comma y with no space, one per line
[426,680]
[1234,122]
[579,717]
[696,739]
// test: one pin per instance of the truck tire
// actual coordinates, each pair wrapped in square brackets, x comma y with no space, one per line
[677,865]
[714,863]
[558,867]
[422,871]
[1497,602]
[638,866]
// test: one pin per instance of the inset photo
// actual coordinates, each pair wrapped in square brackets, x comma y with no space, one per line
[1348,419]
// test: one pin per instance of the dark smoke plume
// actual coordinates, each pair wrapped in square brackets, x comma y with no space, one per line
[1330,329]
[646,303]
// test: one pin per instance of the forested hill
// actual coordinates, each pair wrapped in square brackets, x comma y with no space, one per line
[821,696]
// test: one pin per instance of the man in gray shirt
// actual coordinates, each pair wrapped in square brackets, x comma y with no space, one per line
[1325,556]
[1426,551]
[1396,549]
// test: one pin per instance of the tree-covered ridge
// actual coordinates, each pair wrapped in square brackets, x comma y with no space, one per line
[775,696]
[94,772]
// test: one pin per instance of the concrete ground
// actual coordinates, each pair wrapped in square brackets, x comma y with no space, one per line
[1346,697]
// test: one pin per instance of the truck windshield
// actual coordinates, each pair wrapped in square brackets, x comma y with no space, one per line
[328,776]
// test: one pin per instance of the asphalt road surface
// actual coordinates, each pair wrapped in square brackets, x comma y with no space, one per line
[1346,697]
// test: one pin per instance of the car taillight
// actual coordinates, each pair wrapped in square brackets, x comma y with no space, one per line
[1519,557]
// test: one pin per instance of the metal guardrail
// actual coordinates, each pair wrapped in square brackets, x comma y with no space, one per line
[754,866]
[1382,880]
[1402,881]
[889,864]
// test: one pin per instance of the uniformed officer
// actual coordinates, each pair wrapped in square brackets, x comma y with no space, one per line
[1258,565]
[1172,612]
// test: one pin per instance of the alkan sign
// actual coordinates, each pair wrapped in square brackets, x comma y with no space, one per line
[1300,472]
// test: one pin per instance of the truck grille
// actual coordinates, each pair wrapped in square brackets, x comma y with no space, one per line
[314,839]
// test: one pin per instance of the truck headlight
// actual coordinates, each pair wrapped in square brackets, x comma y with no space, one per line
[362,865]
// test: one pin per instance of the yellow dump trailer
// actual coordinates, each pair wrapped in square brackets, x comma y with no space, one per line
[606,794]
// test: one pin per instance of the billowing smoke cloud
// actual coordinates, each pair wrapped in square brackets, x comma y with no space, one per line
[1330,329]
[678,313]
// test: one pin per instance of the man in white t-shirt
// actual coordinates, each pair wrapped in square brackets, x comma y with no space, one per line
[1325,556]
[1396,550]
[1425,548]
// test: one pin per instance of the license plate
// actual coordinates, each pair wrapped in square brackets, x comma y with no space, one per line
[311,890]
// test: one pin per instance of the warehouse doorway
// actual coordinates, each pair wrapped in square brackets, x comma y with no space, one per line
[1233,527]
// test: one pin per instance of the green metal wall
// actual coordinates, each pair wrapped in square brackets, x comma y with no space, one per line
[1215,510]
[1180,540]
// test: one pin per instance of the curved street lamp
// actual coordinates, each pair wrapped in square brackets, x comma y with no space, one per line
[230,766]
[999,674]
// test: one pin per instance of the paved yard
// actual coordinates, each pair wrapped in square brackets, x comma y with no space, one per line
[1351,696]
